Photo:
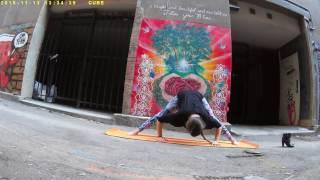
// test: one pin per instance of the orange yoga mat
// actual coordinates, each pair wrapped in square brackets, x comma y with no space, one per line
[191,142]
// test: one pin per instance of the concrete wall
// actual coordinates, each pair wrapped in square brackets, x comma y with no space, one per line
[270,33]
[18,14]
[217,14]
[298,45]
[313,6]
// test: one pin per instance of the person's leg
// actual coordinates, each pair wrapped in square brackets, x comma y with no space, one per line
[220,127]
[217,123]
[228,134]
[217,134]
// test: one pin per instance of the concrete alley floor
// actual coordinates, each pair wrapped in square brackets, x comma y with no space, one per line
[39,144]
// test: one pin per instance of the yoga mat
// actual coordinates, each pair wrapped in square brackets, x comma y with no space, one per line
[191,142]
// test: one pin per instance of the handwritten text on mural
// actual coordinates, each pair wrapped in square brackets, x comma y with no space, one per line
[188,13]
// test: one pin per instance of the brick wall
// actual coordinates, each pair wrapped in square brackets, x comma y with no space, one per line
[14,72]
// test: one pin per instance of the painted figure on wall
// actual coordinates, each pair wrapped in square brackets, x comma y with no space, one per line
[176,55]
[291,108]
[9,56]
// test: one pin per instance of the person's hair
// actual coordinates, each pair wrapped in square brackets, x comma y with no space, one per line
[195,125]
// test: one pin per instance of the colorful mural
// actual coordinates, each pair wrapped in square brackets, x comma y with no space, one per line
[9,56]
[177,55]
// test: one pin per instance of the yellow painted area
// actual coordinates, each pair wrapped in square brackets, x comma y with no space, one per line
[209,67]
[159,68]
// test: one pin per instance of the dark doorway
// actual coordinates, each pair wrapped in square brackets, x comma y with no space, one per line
[83,60]
[255,86]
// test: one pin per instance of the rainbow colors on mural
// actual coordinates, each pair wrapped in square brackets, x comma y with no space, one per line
[176,55]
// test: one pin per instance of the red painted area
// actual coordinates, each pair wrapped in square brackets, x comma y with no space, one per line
[176,84]
[7,59]
[124,173]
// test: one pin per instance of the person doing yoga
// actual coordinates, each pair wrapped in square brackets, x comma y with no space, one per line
[191,110]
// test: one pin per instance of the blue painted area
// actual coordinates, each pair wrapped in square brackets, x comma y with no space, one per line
[152,74]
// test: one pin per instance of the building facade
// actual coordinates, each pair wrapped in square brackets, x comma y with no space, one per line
[255,62]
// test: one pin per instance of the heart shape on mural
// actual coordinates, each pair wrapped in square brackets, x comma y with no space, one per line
[175,84]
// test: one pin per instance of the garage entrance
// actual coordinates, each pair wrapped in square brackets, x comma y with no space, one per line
[269,58]
[83,60]
[255,85]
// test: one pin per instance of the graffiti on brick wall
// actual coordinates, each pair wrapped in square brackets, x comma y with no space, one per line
[177,55]
[11,50]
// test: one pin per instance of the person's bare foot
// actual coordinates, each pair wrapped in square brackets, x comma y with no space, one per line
[134,133]
[235,142]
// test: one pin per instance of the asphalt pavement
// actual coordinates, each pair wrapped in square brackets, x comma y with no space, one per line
[37,143]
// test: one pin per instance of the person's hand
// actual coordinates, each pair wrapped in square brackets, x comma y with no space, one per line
[134,133]
[215,143]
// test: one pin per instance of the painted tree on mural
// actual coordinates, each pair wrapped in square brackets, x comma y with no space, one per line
[182,46]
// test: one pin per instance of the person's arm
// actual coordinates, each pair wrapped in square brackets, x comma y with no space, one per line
[159,132]
[222,128]
[159,129]
[148,123]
